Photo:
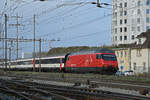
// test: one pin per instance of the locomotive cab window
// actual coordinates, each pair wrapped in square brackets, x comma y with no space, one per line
[67,58]
[98,56]
[109,57]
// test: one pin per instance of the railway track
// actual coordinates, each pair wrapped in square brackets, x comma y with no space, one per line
[42,91]
[134,87]
[24,92]
[127,85]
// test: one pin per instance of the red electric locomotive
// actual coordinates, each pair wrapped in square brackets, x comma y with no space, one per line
[102,61]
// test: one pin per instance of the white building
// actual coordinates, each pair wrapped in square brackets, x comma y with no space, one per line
[129,19]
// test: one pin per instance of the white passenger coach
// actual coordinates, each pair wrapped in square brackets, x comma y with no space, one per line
[55,63]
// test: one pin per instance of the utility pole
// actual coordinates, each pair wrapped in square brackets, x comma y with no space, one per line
[17,33]
[10,49]
[6,41]
[0,31]
[9,57]
[34,44]
[40,55]
[130,58]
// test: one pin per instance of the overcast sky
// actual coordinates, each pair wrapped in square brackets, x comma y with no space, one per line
[73,22]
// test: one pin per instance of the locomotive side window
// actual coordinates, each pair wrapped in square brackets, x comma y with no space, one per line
[109,57]
[98,56]
[67,58]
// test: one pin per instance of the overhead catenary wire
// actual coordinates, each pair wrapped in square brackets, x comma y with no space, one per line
[82,36]
[57,7]
[73,4]
[69,10]
[28,31]
[81,23]
[64,15]
[102,7]
[77,25]
[50,19]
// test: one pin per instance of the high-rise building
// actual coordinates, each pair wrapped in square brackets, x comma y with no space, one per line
[129,19]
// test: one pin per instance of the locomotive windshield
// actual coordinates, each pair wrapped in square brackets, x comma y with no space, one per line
[106,57]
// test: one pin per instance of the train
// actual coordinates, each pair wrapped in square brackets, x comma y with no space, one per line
[101,61]
[44,64]
[95,61]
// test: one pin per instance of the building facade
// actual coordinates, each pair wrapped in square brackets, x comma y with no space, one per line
[123,58]
[140,61]
[129,19]
[136,59]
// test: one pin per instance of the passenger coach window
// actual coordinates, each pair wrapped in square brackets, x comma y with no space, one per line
[98,56]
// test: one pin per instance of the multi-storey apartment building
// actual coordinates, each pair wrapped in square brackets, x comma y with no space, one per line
[129,19]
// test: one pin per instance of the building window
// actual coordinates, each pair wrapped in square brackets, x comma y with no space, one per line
[125,21]
[138,20]
[138,29]
[115,23]
[120,38]
[125,37]
[120,5]
[115,38]
[147,11]
[120,21]
[147,20]
[125,4]
[125,53]
[125,13]
[138,53]
[148,2]
[115,30]
[121,29]
[139,3]
[144,66]
[115,6]
[138,11]
[133,28]
[125,29]
[134,66]
[121,13]
[147,27]
[132,37]
[116,14]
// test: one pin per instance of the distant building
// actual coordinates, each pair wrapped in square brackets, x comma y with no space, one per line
[129,19]
[141,53]
[136,57]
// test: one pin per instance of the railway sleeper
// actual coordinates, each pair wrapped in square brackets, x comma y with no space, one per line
[93,85]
